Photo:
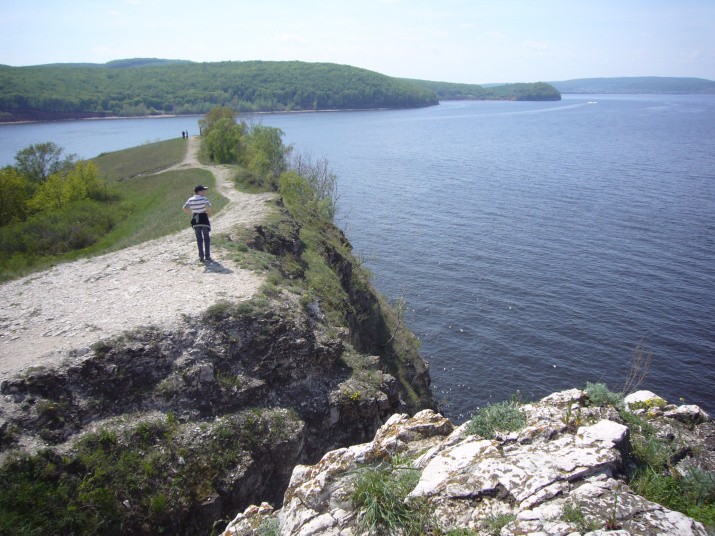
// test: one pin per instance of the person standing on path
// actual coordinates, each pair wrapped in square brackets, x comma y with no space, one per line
[200,208]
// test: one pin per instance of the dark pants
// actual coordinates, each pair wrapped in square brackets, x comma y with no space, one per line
[202,237]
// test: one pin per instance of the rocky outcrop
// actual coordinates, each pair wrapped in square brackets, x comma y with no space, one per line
[243,393]
[562,474]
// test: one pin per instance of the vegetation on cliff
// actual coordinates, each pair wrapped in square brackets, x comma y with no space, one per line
[324,268]
[539,91]
[151,88]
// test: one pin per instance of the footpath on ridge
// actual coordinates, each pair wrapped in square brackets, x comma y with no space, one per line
[73,305]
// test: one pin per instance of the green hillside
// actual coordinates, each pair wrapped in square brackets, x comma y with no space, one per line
[518,92]
[149,87]
[633,85]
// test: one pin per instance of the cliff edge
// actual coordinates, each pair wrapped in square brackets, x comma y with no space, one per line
[143,392]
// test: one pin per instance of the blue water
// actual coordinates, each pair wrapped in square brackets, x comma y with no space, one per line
[537,244]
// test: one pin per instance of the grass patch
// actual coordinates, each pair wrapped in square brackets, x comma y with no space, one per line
[493,523]
[150,158]
[381,495]
[692,494]
[256,306]
[257,261]
[500,416]
[575,515]
[652,451]
[154,203]
[638,425]
[363,367]
[325,286]
[656,479]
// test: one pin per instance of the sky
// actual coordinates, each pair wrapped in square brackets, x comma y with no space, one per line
[470,41]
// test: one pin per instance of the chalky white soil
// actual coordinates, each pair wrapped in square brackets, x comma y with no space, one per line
[73,305]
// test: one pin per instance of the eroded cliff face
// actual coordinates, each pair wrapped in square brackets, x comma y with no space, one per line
[175,430]
[563,474]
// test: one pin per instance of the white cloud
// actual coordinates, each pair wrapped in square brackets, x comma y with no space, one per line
[116,13]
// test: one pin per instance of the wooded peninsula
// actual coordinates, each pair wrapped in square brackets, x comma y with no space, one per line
[140,87]
[642,85]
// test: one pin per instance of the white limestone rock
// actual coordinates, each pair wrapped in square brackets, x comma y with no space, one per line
[607,432]
[690,414]
[643,400]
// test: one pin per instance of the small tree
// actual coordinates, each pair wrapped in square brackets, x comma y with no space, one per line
[39,161]
[226,142]
[310,187]
[265,152]
[213,116]
[322,181]
[60,189]
[48,195]
[13,196]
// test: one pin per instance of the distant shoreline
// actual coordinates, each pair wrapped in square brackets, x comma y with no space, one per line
[163,116]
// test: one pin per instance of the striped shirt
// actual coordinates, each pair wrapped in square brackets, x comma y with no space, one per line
[197,204]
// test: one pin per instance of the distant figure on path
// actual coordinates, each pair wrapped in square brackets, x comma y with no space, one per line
[200,208]
[183,134]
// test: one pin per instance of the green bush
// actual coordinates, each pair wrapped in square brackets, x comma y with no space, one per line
[503,416]
[600,395]
[310,189]
[73,227]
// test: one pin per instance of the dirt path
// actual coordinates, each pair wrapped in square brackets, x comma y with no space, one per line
[73,305]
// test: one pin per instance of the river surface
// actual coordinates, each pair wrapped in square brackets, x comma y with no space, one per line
[537,244]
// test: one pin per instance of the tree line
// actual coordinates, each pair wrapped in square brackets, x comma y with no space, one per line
[152,88]
[539,91]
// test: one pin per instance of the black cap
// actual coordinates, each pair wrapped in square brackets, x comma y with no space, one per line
[199,188]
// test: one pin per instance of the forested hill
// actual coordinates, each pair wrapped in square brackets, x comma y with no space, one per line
[642,85]
[146,87]
[449,91]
